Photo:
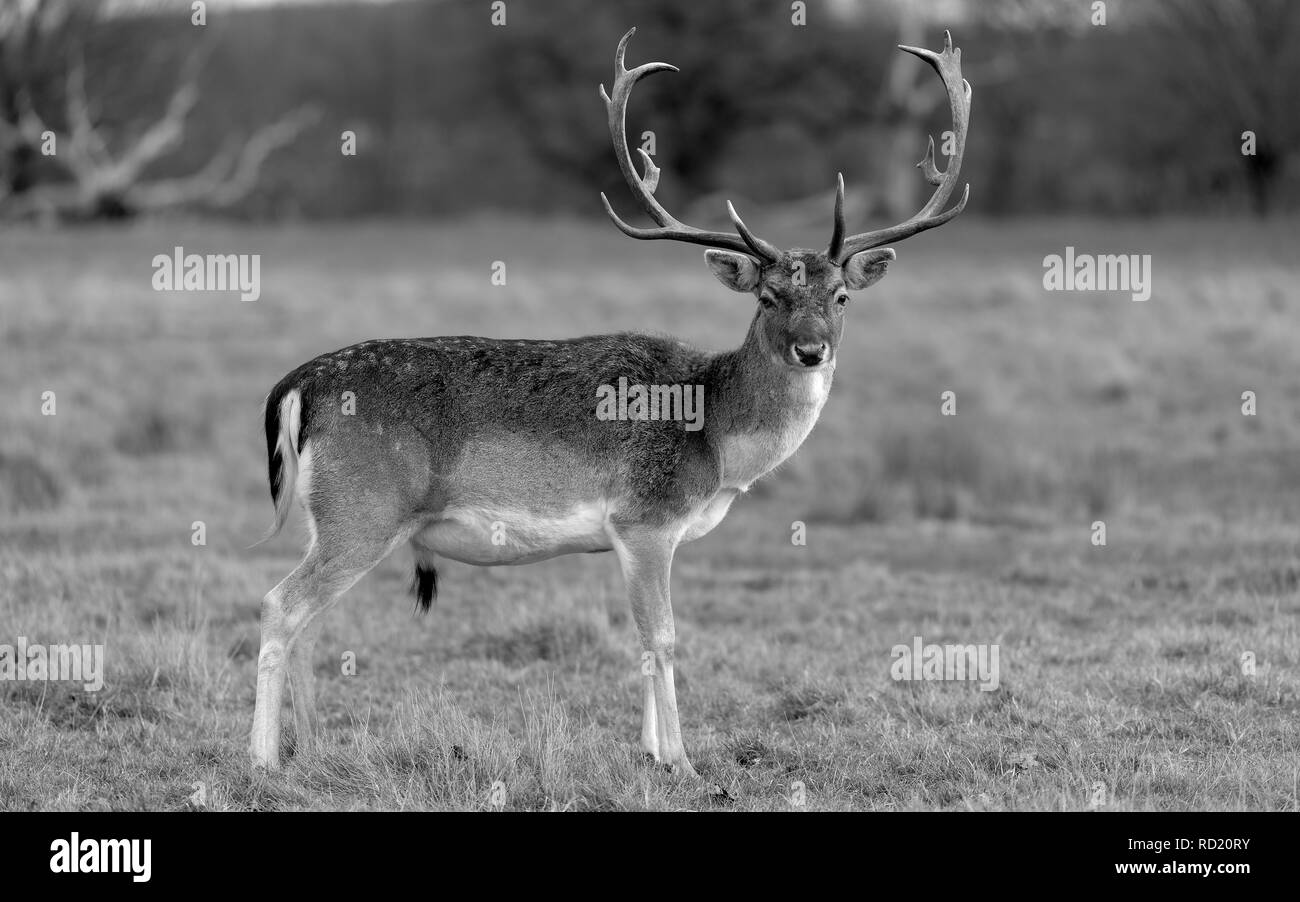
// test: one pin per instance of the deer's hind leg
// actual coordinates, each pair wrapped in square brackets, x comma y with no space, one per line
[341,553]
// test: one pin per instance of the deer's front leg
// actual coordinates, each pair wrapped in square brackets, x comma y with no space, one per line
[647,557]
[649,719]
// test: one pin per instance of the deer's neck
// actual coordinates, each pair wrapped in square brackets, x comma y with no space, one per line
[758,412]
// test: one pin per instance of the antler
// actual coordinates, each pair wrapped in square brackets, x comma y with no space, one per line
[643,187]
[948,64]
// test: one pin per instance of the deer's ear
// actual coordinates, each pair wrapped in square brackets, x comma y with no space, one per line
[867,268]
[737,271]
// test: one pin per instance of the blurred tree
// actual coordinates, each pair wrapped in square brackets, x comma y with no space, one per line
[1235,65]
[453,114]
[104,181]
[734,96]
[36,41]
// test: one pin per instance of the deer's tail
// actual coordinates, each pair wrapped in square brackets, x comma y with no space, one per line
[284,442]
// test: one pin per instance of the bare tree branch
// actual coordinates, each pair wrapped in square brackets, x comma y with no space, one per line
[220,183]
[104,182]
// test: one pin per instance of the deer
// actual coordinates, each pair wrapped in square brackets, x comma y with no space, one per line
[490,452]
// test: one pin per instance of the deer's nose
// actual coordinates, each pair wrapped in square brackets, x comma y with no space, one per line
[810,353]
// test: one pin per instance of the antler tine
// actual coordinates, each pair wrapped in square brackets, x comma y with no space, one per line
[948,64]
[643,186]
[756,244]
[837,234]
[620,53]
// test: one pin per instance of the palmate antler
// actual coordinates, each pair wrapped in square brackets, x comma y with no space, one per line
[948,64]
[643,187]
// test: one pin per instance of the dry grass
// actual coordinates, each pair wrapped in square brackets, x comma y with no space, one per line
[1119,664]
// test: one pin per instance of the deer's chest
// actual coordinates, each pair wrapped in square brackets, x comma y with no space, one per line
[750,453]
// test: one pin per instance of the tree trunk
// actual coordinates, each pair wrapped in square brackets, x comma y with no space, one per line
[1261,174]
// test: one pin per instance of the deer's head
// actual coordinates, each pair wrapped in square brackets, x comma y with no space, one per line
[802,294]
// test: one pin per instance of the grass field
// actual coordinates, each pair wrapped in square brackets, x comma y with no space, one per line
[1120,665]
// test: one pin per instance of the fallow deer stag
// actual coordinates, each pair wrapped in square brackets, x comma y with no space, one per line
[453,436]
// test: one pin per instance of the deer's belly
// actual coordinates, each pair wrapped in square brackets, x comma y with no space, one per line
[491,536]
[711,515]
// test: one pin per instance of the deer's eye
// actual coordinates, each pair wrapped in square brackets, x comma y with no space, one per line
[767,301]
[841,299]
